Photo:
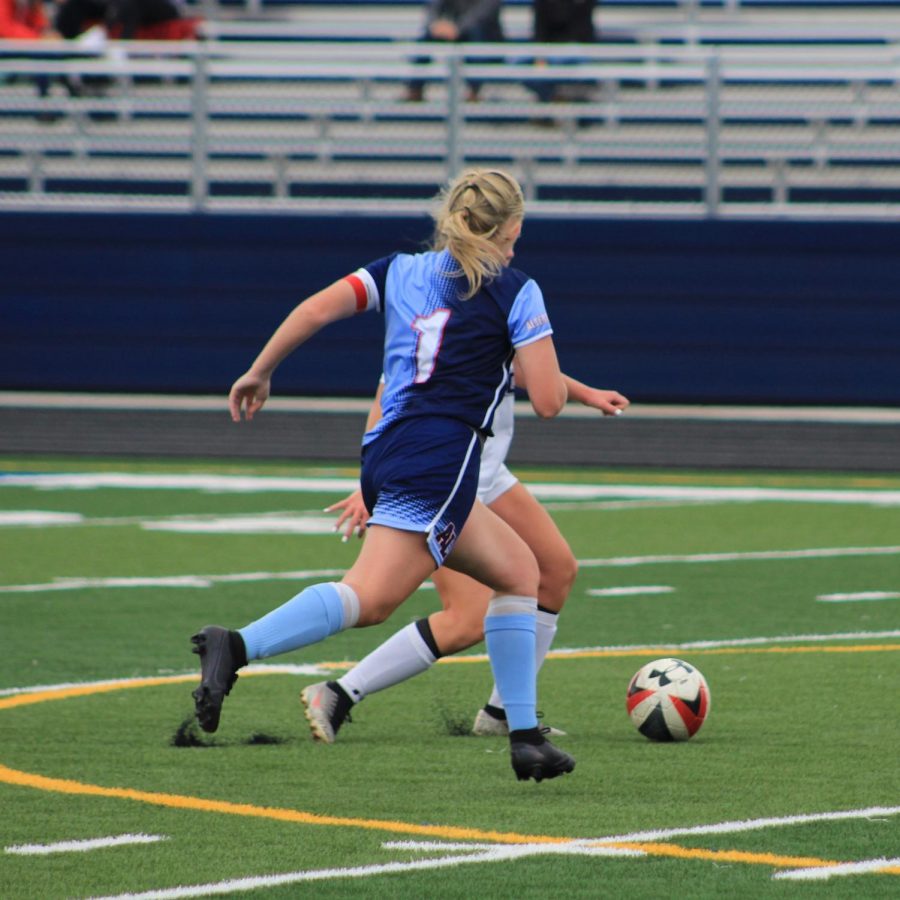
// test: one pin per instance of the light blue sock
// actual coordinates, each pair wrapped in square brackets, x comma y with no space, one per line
[510,645]
[314,614]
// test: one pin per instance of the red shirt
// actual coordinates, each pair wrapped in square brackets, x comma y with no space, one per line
[24,19]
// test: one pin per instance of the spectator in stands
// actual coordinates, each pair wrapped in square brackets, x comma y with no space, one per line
[562,22]
[125,19]
[24,20]
[93,22]
[459,21]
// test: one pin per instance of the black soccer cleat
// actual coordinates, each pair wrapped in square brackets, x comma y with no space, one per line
[539,761]
[221,655]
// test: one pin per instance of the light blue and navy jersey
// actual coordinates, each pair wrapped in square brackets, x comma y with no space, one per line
[445,356]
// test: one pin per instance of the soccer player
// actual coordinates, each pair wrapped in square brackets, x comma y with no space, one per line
[458,626]
[455,317]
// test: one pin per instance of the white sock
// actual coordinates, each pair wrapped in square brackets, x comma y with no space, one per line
[545,623]
[401,656]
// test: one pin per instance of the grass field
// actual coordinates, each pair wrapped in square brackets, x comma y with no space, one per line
[783,589]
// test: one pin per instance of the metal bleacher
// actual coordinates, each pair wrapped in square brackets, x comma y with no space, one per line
[713,109]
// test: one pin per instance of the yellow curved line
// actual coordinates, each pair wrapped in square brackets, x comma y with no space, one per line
[84,690]
[449,832]
[740,856]
[180,801]
[104,687]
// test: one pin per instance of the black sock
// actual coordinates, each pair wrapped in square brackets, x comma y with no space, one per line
[238,648]
[344,700]
[424,628]
[495,712]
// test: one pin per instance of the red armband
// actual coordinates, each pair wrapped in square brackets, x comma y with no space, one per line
[362,295]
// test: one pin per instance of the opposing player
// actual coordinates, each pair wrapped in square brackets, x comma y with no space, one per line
[455,317]
[459,625]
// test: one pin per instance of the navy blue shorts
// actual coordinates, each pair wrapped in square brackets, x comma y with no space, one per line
[422,475]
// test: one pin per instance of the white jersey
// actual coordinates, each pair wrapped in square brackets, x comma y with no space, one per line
[494,478]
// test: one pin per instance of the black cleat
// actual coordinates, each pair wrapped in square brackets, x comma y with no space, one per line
[220,652]
[539,761]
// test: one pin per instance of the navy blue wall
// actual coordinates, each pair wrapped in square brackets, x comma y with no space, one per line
[667,311]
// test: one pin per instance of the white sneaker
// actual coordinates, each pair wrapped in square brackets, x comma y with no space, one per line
[486,725]
[326,710]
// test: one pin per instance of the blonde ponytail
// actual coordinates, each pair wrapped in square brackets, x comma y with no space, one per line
[471,211]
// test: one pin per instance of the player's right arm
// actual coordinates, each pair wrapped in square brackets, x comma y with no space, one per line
[251,390]
[539,366]
[532,337]
[610,403]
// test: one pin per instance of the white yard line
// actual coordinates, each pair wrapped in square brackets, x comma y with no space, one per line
[36,518]
[863,867]
[731,642]
[206,581]
[859,595]
[244,524]
[630,591]
[168,581]
[217,484]
[698,493]
[621,505]
[82,846]
[739,556]
[478,853]
[249,522]
[741,826]
[545,491]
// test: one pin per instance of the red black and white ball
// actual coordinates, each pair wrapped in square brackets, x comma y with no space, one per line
[668,700]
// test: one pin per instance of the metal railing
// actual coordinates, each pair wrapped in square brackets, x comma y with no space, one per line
[794,129]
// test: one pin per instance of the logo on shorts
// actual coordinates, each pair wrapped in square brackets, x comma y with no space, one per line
[446,538]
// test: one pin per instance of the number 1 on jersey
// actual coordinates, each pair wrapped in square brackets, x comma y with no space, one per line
[431,334]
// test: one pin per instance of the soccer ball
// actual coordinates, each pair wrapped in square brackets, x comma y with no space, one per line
[668,699]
